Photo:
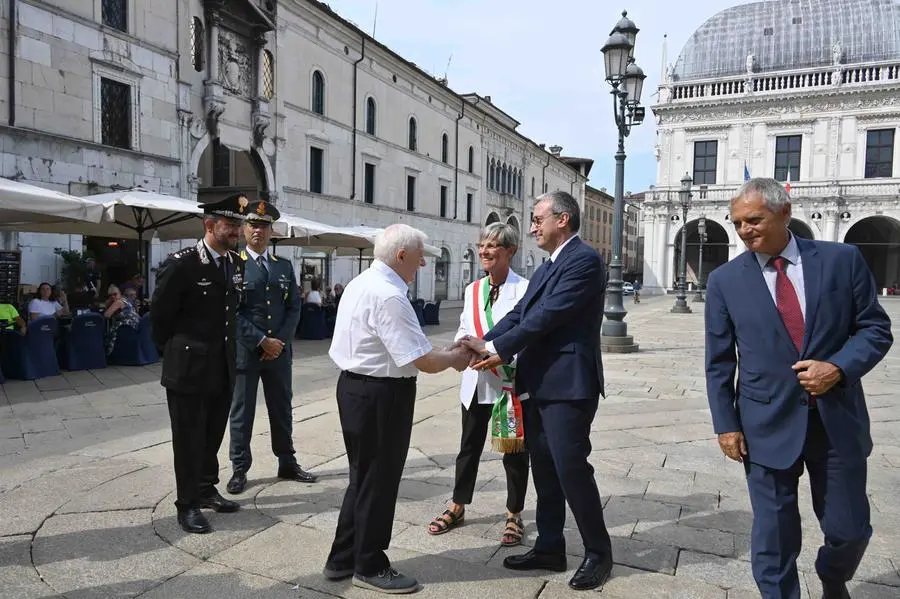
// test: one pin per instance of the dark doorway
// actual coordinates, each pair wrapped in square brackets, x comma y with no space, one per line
[878,238]
[715,251]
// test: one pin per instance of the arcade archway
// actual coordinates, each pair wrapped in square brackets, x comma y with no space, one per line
[715,251]
[878,238]
[223,171]
[800,229]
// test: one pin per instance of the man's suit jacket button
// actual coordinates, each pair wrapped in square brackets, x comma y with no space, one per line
[226,337]
[269,317]
[187,348]
[204,293]
[270,332]
[268,302]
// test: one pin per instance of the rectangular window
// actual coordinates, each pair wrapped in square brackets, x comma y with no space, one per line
[469,200]
[705,153]
[115,110]
[369,184]
[443,201]
[880,153]
[316,169]
[115,14]
[221,166]
[787,157]
[410,193]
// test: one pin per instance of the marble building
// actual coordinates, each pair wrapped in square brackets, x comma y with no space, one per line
[282,99]
[805,92]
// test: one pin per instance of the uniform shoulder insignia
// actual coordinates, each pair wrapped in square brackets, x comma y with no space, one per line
[273,257]
[181,254]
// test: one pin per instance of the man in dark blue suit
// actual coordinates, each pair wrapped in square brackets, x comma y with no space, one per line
[555,330]
[800,323]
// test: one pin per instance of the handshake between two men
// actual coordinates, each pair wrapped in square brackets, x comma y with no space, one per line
[473,354]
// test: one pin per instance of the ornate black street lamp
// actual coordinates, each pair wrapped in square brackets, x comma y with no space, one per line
[627,81]
[684,197]
[701,232]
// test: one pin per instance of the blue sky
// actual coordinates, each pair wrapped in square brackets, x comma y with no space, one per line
[541,62]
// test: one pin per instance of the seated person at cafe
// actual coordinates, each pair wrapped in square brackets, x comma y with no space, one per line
[137,284]
[9,319]
[45,305]
[119,312]
[314,297]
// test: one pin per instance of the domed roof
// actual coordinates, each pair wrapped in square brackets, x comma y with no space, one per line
[791,34]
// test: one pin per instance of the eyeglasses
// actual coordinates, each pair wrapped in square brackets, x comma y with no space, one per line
[490,245]
[537,221]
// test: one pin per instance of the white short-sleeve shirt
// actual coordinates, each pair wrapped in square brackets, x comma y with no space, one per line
[376,332]
[44,307]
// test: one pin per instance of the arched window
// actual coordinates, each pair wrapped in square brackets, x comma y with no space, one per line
[503,179]
[413,134]
[469,273]
[445,148]
[515,183]
[318,92]
[268,75]
[521,183]
[442,275]
[491,174]
[471,159]
[197,46]
[532,187]
[370,116]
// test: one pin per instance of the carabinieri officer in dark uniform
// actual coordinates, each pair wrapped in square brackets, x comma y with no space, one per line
[194,322]
[267,318]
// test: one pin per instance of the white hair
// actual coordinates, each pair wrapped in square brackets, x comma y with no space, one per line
[772,192]
[394,238]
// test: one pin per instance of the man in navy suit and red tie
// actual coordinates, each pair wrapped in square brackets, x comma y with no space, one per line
[800,324]
[555,330]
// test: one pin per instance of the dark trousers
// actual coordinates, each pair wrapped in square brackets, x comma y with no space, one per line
[838,489]
[376,419]
[198,426]
[557,434]
[276,380]
[475,421]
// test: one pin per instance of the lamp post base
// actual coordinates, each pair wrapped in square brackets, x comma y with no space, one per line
[681,307]
[618,345]
[698,297]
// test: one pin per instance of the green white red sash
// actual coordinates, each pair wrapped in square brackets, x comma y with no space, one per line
[507,431]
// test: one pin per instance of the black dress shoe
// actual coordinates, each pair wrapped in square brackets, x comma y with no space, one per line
[592,573]
[834,590]
[536,561]
[219,504]
[237,483]
[193,520]
[295,472]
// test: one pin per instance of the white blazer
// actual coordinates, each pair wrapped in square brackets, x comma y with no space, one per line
[486,383]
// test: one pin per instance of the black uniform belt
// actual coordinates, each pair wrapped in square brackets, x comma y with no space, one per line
[377,379]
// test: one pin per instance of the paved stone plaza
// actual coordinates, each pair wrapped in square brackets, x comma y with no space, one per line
[86,489]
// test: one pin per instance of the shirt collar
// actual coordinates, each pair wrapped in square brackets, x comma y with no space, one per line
[255,256]
[558,250]
[390,275]
[791,253]
[215,255]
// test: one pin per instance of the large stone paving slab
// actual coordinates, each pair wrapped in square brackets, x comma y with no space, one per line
[88,506]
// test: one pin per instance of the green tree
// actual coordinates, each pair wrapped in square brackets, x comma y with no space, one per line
[74,270]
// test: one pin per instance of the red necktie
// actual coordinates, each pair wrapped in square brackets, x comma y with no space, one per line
[789,307]
[787,303]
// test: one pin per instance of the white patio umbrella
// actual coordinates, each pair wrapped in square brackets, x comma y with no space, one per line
[24,206]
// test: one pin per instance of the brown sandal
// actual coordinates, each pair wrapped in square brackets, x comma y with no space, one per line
[513,533]
[441,524]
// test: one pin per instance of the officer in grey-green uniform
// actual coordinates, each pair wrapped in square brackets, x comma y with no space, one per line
[267,318]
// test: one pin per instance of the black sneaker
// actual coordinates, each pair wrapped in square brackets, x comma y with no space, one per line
[387,581]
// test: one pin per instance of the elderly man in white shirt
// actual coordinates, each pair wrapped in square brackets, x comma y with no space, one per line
[379,346]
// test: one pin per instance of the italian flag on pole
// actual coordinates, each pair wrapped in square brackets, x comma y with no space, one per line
[507,431]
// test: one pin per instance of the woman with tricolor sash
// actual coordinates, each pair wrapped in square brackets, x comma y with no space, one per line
[489,399]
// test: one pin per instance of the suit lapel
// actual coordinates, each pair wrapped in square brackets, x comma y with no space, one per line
[812,282]
[549,268]
[758,294]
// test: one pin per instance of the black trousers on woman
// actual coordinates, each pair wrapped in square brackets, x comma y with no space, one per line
[475,422]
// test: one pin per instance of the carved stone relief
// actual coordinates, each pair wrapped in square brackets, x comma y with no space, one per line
[236,65]
[739,112]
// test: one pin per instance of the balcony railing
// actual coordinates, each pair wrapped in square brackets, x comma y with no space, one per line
[852,76]
[800,190]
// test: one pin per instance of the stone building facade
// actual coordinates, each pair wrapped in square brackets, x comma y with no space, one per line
[807,93]
[287,100]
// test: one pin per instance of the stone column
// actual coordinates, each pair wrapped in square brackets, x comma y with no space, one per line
[215,23]
[261,42]
[661,251]
[831,228]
